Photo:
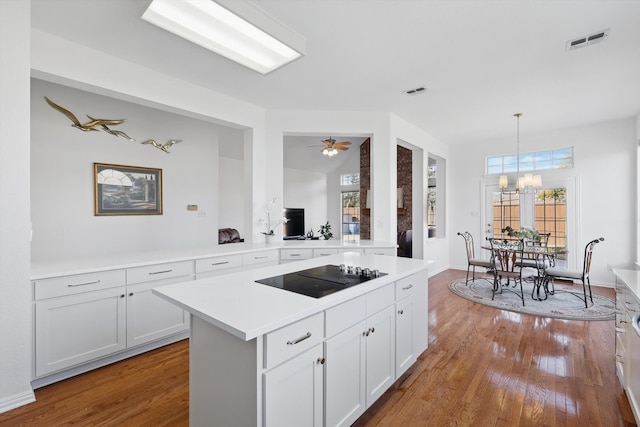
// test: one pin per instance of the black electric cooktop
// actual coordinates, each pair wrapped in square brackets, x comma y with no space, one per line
[319,281]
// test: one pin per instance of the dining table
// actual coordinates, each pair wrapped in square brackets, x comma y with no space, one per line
[540,258]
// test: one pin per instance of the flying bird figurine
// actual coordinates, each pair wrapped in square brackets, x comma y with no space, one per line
[163,147]
[113,132]
[86,127]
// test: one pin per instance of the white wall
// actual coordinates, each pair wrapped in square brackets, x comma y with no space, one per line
[605,167]
[15,292]
[62,190]
[308,190]
[231,194]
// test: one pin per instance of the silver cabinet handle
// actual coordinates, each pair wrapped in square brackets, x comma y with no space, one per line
[220,263]
[407,287]
[161,272]
[297,340]
[83,284]
[261,257]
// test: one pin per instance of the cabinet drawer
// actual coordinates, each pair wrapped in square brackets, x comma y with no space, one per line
[380,251]
[405,287]
[218,263]
[260,257]
[293,339]
[78,283]
[295,254]
[379,299]
[159,271]
[342,316]
[324,252]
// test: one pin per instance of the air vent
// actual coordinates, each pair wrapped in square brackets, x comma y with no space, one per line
[588,40]
[416,91]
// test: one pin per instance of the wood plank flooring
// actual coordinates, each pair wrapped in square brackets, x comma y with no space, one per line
[484,367]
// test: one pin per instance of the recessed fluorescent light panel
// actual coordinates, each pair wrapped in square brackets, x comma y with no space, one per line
[232,28]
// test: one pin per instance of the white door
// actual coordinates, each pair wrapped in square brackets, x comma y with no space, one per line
[551,209]
[380,353]
[345,376]
[293,391]
[404,335]
[74,329]
[150,317]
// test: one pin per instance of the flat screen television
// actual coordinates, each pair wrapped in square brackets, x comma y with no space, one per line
[294,228]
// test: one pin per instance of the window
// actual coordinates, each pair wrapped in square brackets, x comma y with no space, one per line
[540,160]
[350,179]
[350,215]
[549,216]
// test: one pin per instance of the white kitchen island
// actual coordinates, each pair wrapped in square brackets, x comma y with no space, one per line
[263,356]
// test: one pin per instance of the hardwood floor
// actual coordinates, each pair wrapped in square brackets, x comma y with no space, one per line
[484,367]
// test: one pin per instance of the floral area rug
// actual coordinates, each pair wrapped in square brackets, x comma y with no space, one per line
[560,305]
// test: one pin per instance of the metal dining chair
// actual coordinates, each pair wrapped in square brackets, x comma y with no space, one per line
[550,274]
[505,266]
[533,260]
[472,261]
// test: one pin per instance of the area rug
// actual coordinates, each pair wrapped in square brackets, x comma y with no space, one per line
[559,305]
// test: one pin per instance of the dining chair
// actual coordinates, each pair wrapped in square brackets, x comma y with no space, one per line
[472,261]
[550,274]
[505,266]
[534,260]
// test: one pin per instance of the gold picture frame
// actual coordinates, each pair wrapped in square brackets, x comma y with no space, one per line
[127,190]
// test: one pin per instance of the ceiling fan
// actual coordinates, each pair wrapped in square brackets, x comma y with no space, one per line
[331,147]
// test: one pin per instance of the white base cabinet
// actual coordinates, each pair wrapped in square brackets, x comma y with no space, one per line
[78,328]
[81,318]
[293,392]
[323,370]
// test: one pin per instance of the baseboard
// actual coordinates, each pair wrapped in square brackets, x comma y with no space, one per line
[17,400]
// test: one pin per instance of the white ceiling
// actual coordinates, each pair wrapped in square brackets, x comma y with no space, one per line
[481,60]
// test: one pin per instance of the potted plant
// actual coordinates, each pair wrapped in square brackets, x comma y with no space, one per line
[269,235]
[325,231]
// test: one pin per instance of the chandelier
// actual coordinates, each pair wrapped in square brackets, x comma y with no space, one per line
[524,184]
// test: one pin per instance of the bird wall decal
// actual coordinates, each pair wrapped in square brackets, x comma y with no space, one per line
[163,147]
[91,125]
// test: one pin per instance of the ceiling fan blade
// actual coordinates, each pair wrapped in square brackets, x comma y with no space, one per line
[340,147]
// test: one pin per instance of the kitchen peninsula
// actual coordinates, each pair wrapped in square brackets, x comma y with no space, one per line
[265,356]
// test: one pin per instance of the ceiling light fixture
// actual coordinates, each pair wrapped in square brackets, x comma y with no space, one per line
[232,28]
[524,184]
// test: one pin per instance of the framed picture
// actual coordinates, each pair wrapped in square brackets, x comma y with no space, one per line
[127,190]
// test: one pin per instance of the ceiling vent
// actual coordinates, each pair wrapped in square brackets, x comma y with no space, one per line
[598,37]
[416,90]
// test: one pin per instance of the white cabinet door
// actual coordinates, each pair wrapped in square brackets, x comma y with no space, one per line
[344,373]
[380,353]
[150,317]
[78,328]
[293,391]
[404,335]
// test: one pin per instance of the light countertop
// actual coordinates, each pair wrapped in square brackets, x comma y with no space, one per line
[631,277]
[246,309]
[56,268]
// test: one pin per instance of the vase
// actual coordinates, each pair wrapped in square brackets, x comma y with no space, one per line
[269,238]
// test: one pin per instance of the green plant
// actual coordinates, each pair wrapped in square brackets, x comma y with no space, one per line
[523,233]
[325,231]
